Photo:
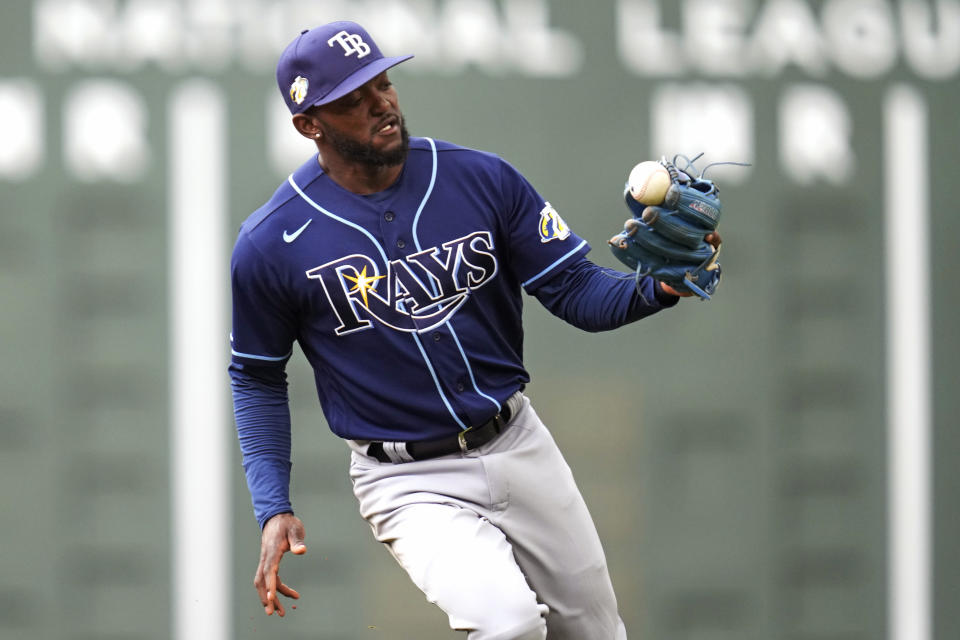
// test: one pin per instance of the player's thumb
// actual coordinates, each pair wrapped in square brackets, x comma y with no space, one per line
[295,539]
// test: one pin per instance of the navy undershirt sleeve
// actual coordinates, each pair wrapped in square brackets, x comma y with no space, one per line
[262,416]
[595,298]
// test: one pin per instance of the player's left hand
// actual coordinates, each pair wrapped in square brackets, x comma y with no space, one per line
[283,532]
[714,239]
[674,210]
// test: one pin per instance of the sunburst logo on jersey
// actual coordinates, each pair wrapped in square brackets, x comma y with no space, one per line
[363,283]
[552,226]
[298,90]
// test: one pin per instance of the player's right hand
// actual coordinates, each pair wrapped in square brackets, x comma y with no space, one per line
[283,532]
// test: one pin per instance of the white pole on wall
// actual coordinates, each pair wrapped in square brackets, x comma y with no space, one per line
[199,417]
[909,365]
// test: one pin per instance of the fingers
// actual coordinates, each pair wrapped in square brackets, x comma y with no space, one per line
[273,603]
[264,580]
[282,533]
[668,289]
[288,591]
[273,585]
[265,584]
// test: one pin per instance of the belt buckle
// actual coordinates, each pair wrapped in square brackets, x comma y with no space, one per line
[462,440]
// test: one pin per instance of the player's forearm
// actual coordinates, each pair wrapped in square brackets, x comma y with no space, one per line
[595,298]
[262,416]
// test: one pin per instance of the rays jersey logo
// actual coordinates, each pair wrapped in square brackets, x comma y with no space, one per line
[417,293]
[552,226]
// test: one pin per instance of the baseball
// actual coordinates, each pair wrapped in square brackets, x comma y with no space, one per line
[648,182]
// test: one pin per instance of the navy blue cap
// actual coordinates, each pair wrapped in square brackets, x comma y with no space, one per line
[327,63]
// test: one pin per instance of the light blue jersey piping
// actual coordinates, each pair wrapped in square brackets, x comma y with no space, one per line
[383,255]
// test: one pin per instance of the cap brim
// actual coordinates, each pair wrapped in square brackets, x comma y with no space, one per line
[359,78]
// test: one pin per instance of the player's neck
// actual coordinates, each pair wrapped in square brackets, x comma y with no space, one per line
[359,178]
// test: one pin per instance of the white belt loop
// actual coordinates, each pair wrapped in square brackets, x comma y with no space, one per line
[515,402]
[397,452]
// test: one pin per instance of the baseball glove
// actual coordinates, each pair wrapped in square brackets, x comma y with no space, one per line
[668,241]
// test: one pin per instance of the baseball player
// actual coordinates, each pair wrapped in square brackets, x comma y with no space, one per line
[397,264]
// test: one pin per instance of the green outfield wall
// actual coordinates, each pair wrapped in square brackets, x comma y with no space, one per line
[741,457]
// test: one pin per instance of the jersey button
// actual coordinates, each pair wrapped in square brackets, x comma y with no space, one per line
[460,386]
[436,336]
[401,244]
[388,216]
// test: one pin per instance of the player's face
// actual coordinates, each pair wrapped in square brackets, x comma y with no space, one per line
[366,125]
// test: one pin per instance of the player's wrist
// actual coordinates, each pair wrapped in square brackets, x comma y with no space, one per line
[274,515]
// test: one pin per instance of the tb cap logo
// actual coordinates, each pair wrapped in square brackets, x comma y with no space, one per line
[351,43]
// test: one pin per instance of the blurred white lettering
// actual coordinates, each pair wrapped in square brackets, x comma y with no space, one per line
[861,36]
[470,34]
[714,119]
[815,130]
[537,49]
[105,132]
[786,32]
[715,38]
[931,36]
[732,38]
[719,49]
[644,47]
[21,129]
[73,32]
[150,33]
[511,36]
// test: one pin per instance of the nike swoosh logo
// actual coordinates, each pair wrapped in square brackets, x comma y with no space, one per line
[290,237]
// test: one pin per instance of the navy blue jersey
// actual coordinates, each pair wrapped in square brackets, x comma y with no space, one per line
[406,303]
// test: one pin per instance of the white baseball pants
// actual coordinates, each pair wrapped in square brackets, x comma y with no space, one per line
[499,538]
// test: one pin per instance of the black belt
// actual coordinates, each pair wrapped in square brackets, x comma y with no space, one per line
[464,441]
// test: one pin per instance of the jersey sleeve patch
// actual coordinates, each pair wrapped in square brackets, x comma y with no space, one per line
[552,226]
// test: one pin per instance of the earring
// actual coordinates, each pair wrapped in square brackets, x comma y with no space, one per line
[316,135]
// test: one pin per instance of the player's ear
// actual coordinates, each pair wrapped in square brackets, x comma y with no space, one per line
[309,127]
